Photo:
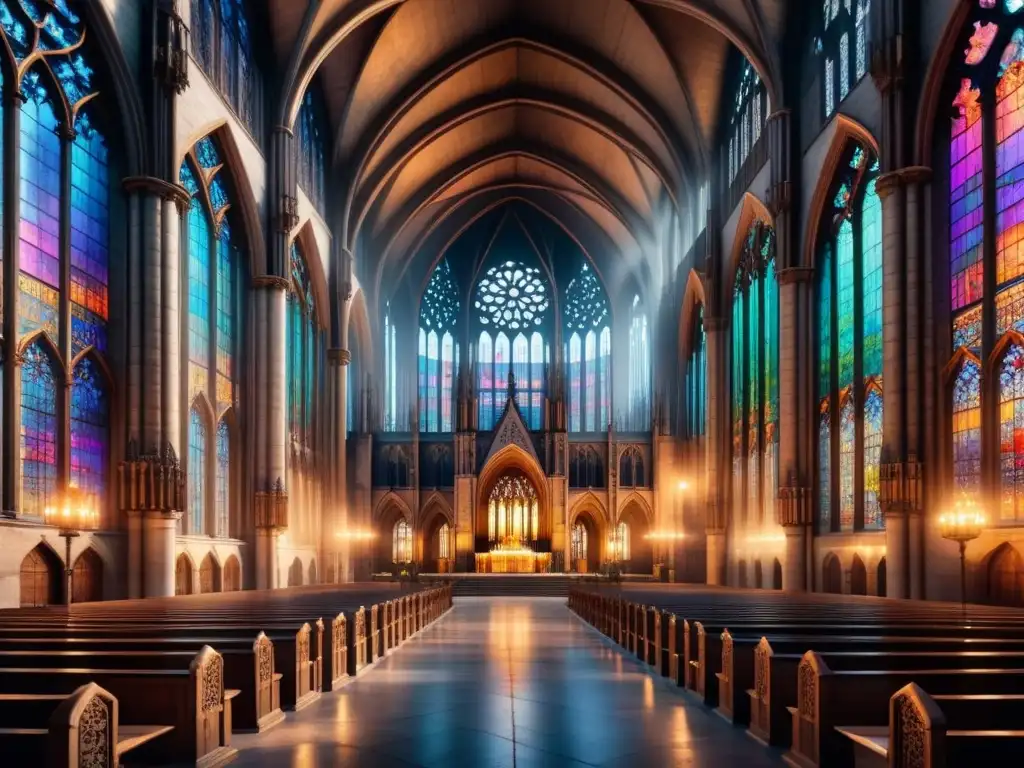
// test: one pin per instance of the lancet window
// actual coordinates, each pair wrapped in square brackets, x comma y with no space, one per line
[747,118]
[843,46]
[696,376]
[850,391]
[755,378]
[513,520]
[217,272]
[60,265]
[312,147]
[588,352]
[438,351]
[638,414]
[986,260]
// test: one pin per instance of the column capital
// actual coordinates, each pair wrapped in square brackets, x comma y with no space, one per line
[887,183]
[153,482]
[794,507]
[339,356]
[165,190]
[271,281]
[272,508]
[789,275]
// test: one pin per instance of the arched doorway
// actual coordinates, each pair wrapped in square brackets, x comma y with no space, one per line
[40,578]
[393,539]
[232,577]
[295,573]
[858,577]
[741,575]
[438,543]
[585,543]
[758,575]
[776,574]
[183,575]
[512,477]
[881,586]
[87,579]
[640,557]
[832,575]
[209,575]
[1006,577]
[312,572]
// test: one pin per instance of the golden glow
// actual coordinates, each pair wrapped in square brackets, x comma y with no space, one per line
[684,486]
[75,512]
[356,534]
[665,535]
[964,522]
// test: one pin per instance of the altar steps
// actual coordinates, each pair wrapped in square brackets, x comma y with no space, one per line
[493,585]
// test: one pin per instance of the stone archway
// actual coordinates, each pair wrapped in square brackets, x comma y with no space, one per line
[832,575]
[295,573]
[87,579]
[232,578]
[512,460]
[858,577]
[1006,576]
[641,553]
[586,534]
[183,575]
[437,540]
[209,575]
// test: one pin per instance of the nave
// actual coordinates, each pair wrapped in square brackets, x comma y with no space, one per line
[506,682]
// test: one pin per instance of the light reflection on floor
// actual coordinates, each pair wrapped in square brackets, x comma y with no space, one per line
[516,682]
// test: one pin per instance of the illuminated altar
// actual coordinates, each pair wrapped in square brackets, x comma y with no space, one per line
[513,528]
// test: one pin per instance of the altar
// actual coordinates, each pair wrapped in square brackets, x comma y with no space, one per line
[513,561]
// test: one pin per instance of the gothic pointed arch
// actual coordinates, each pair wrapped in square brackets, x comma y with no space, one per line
[438,350]
[588,351]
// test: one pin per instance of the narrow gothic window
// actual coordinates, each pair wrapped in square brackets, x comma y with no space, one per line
[746,121]
[845,63]
[439,311]
[312,147]
[401,547]
[850,391]
[587,321]
[639,406]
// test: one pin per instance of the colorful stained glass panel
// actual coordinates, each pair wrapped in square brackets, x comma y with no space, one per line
[40,193]
[967,327]
[1011,433]
[967,428]
[871,281]
[873,519]
[966,199]
[196,472]
[38,431]
[90,422]
[1009,175]
[847,464]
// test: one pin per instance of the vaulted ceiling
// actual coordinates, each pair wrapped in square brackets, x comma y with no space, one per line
[599,113]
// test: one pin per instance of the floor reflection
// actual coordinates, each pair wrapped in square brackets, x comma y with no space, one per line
[501,682]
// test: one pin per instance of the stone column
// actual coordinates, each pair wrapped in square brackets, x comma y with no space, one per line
[152,483]
[339,360]
[11,448]
[716,520]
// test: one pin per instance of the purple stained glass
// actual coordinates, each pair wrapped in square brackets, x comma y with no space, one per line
[90,229]
[967,428]
[1011,434]
[199,285]
[966,198]
[38,430]
[40,193]
[90,419]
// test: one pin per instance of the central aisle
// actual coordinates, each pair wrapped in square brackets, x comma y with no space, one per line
[505,682]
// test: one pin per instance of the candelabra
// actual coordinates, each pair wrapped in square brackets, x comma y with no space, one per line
[963,524]
[73,514]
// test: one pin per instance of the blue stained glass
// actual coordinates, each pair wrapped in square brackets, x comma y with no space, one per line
[312,147]
[40,193]
[223,479]
[15,30]
[75,77]
[196,472]
[825,469]
[207,154]
[218,194]
[226,253]
[439,308]
[1013,6]
[873,519]
[188,179]
[38,431]
[199,286]
[38,308]
[294,366]
[90,419]
[87,330]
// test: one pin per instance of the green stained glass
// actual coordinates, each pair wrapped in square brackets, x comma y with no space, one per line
[825,321]
[871,248]
[842,197]
[844,250]
[753,364]
[771,348]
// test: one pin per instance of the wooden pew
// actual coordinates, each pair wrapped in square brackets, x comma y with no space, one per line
[78,729]
[191,700]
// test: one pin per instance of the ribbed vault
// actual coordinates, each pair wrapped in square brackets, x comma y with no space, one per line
[599,115]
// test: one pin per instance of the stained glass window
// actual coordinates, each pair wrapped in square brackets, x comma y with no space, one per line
[38,430]
[511,297]
[638,413]
[391,417]
[306,354]
[312,147]
[967,428]
[578,544]
[223,479]
[439,312]
[754,377]
[586,317]
[196,472]
[695,406]
[575,382]
[223,48]
[401,542]
[90,418]
[849,346]
[215,313]
[1011,434]
[749,111]
[843,45]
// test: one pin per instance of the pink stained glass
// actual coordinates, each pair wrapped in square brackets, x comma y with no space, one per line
[40,193]
[1010,175]
[966,199]
[967,428]
[1011,434]
[981,42]
[1010,309]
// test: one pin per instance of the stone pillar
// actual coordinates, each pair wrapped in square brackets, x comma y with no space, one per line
[152,483]
[159,532]
[716,520]
[339,360]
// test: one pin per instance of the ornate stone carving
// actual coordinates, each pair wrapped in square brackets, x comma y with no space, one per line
[794,507]
[807,690]
[172,48]
[288,215]
[511,431]
[762,668]
[95,741]
[302,645]
[727,654]
[272,507]
[901,486]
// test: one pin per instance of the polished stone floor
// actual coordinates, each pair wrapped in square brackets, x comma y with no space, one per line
[505,681]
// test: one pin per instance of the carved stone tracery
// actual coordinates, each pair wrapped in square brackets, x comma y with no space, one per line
[94,735]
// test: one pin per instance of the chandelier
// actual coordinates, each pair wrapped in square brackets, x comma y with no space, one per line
[512,515]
